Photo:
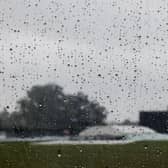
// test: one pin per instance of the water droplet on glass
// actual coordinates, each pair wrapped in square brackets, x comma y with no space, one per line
[145,147]
[59,155]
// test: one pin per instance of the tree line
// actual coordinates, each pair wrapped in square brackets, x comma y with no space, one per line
[48,110]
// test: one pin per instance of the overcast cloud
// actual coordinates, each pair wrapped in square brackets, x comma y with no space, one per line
[114,51]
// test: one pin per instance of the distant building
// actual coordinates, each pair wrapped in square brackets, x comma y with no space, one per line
[157,120]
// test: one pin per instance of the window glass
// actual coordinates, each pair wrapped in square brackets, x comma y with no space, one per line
[83,83]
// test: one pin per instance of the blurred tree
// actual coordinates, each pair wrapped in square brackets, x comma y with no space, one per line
[81,112]
[48,108]
[4,119]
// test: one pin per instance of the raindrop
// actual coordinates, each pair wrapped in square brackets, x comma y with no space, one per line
[59,155]
[145,147]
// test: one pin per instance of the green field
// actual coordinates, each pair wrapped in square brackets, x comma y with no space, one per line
[134,155]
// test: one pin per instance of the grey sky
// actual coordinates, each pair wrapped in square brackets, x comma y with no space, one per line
[114,51]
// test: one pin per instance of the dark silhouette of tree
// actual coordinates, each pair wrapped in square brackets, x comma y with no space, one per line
[42,107]
[4,119]
[48,108]
[82,113]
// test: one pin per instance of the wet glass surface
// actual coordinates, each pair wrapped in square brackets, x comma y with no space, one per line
[83,83]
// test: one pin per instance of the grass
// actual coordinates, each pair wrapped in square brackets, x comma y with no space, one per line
[135,155]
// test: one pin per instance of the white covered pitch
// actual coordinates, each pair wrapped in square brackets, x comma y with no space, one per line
[116,130]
